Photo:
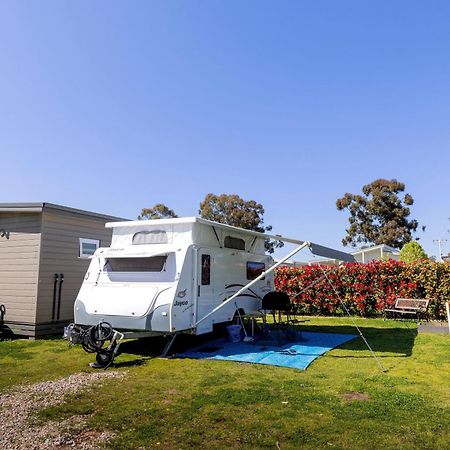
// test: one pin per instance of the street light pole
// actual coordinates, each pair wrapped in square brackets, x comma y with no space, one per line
[439,243]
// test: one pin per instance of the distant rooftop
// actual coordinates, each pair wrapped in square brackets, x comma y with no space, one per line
[386,248]
[39,207]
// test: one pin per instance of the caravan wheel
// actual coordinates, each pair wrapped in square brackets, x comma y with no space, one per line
[104,359]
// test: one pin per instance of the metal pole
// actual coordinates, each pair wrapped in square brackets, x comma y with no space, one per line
[240,291]
[447,307]
[439,243]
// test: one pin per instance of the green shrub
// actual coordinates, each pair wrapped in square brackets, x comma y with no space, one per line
[412,251]
[366,289]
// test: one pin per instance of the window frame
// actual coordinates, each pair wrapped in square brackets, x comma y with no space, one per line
[111,270]
[233,242]
[205,275]
[259,263]
[148,233]
[81,241]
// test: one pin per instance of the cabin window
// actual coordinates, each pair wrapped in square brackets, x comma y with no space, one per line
[206,270]
[150,237]
[232,242]
[254,269]
[87,247]
[145,264]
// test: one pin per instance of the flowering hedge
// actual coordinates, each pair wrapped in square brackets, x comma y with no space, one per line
[366,289]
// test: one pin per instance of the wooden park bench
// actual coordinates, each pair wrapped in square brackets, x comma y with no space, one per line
[409,307]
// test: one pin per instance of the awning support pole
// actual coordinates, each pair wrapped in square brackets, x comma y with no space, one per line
[240,291]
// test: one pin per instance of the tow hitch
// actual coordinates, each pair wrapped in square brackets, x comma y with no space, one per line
[95,339]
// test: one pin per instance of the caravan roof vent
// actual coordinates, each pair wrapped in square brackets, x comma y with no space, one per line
[232,242]
[150,237]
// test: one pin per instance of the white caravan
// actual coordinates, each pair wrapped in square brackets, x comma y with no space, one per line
[174,275]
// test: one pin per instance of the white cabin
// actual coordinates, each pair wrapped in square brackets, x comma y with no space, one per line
[164,276]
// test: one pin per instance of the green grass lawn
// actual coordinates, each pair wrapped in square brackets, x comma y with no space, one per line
[181,403]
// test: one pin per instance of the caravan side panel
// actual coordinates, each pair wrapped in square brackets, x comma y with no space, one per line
[183,305]
[223,272]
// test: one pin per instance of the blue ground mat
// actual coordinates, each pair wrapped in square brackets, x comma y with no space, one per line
[297,355]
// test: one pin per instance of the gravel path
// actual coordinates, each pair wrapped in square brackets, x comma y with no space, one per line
[17,432]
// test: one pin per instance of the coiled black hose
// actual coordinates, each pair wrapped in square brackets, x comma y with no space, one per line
[93,339]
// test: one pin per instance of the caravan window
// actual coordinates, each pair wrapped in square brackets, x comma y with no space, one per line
[232,242]
[254,269]
[206,270]
[146,264]
[150,237]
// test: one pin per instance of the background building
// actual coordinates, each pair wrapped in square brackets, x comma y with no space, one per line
[377,252]
[44,255]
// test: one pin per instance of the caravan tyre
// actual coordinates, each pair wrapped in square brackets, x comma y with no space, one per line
[104,359]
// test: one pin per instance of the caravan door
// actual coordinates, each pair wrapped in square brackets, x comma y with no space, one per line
[205,289]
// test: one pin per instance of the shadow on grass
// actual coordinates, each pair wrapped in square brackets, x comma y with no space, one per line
[153,347]
[133,363]
[396,342]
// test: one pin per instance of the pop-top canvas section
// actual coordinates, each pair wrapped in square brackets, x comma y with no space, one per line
[213,235]
[181,233]
[150,232]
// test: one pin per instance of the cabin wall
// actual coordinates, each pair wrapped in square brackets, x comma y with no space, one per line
[61,232]
[20,239]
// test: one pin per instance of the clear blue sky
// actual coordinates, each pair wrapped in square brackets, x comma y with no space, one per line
[113,106]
